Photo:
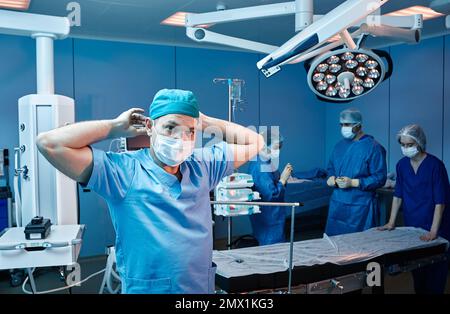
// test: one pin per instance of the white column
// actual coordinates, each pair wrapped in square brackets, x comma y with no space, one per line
[45,64]
[304,13]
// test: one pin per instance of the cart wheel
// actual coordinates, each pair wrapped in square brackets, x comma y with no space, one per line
[17,278]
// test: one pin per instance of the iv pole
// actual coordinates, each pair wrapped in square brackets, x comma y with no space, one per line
[234,98]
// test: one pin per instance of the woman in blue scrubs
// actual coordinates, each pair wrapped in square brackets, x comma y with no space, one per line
[422,191]
[268,226]
[356,169]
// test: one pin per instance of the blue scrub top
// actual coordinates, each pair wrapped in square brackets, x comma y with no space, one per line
[421,192]
[163,226]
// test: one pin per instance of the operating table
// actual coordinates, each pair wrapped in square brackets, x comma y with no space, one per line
[330,265]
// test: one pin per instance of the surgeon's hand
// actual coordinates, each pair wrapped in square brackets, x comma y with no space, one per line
[130,123]
[430,236]
[346,182]
[286,174]
[389,226]
[331,181]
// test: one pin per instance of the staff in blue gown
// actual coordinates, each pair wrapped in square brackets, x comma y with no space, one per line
[268,226]
[422,190]
[357,167]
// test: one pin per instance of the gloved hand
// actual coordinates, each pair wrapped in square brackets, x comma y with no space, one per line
[331,181]
[286,174]
[346,182]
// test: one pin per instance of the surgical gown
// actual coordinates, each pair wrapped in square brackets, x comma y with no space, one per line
[420,193]
[356,209]
[268,226]
[163,225]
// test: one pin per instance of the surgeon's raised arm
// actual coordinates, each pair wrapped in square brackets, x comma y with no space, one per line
[245,143]
[67,148]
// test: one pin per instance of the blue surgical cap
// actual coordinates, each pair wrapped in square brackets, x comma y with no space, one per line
[351,115]
[174,101]
[415,132]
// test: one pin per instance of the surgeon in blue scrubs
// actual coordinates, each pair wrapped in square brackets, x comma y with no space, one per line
[268,226]
[422,190]
[158,198]
[357,167]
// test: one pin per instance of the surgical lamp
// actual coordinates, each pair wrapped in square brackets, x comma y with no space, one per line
[344,78]
[346,74]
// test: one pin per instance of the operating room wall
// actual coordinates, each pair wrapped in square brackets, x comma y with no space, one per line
[417,92]
[106,78]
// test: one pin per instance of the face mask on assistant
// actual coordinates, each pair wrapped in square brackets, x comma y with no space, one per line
[410,152]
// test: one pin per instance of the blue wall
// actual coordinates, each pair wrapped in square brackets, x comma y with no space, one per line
[106,78]
[417,92]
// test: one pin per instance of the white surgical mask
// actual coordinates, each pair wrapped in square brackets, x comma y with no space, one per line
[410,152]
[347,132]
[171,151]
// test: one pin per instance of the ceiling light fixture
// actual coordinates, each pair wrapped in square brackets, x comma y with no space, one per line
[178,19]
[426,12]
[15,4]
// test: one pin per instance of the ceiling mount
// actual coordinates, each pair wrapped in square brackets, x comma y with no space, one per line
[350,22]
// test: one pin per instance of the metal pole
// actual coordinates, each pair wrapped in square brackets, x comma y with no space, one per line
[229,233]
[230,101]
[304,13]
[31,279]
[291,250]
[45,64]
[230,119]
[256,203]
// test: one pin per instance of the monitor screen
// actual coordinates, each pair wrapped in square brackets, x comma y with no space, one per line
[138,142]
